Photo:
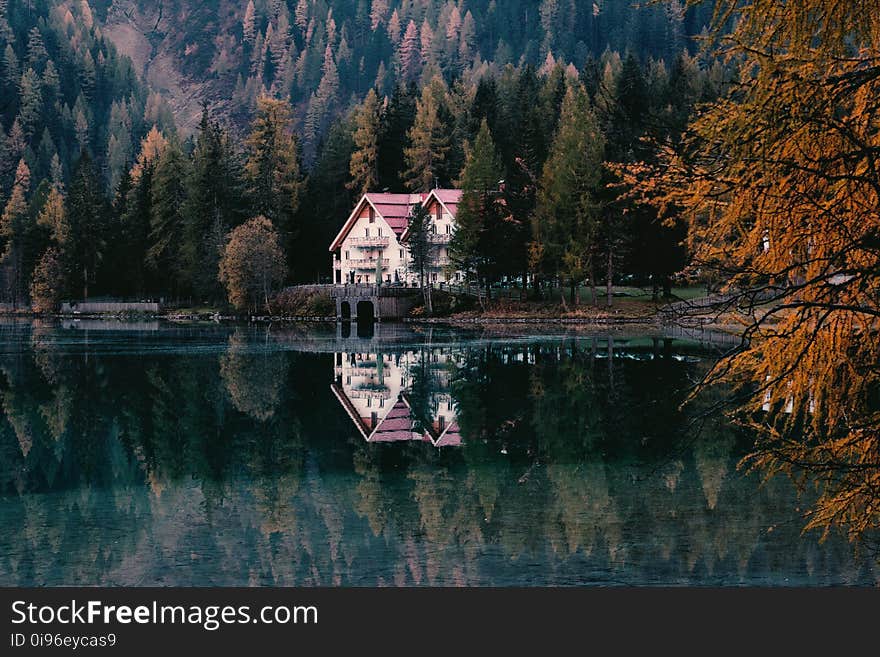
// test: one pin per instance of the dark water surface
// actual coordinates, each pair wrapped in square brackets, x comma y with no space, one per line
[148,454]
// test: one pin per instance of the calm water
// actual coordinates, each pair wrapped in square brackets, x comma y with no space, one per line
[153,455]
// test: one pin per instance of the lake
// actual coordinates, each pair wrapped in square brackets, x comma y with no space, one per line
[179,455]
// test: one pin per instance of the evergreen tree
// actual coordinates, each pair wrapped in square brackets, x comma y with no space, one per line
[428,140]
[211,209]
[14,229]
[48,282]
[565,224]
[397,121]
[87,213]
[364,165]
[409,53]
[167,220]
[272,167]
[479,239]
[421,248]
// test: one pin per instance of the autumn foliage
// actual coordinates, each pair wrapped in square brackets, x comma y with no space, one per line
[252,265]
[781,185]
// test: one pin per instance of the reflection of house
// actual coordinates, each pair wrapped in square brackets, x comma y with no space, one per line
[372,242]
[376,392]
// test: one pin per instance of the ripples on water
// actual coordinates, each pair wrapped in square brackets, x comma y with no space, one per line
[212,455]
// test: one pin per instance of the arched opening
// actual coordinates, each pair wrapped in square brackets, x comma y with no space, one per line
[345,311]
[365,312]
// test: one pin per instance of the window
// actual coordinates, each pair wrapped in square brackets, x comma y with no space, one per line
[379,231]
[346,255]
[374,420]
[401,254]
[372,214]
[366,232]
[439,212]
[448,229]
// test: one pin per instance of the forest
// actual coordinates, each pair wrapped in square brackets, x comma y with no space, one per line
[595,142]
[104,196]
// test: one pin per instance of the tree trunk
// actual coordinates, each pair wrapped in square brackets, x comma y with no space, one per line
[594,299]
[609,273]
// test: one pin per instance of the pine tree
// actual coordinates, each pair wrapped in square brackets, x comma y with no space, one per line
[364,165]
[53,218]
[211,209]
[167,220]
[421,248]
[394,28]
[409,53]
[30,101]
[272,167]
[87,214]
[566,217]
[11,73]
[36,50]
[468,40]
[477,240]
[301,14]
[47,282]
[14,229]
[378,13]
[428,140]
[248,30]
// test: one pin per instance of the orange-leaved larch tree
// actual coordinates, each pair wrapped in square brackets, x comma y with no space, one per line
[780,181]
[253,264]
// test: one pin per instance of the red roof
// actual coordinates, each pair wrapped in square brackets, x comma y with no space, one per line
[448,198]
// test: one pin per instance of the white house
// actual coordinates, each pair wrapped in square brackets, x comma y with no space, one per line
[443,206]
[374,391]
[373,239]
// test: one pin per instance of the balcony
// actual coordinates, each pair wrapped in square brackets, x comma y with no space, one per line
[368,242]
[439,238]
[368,263]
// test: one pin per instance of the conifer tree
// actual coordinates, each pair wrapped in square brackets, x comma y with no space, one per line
[86,212]
[272,167]
[478,237]
[168,193]
[398,118]
[364,165]
[566,218]
[211,209]
[409,53]
[14,230]
[422,250]
[428,140]
[48,282]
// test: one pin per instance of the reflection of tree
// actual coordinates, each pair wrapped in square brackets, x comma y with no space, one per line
[156,477]
[254,380]
[422,391]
